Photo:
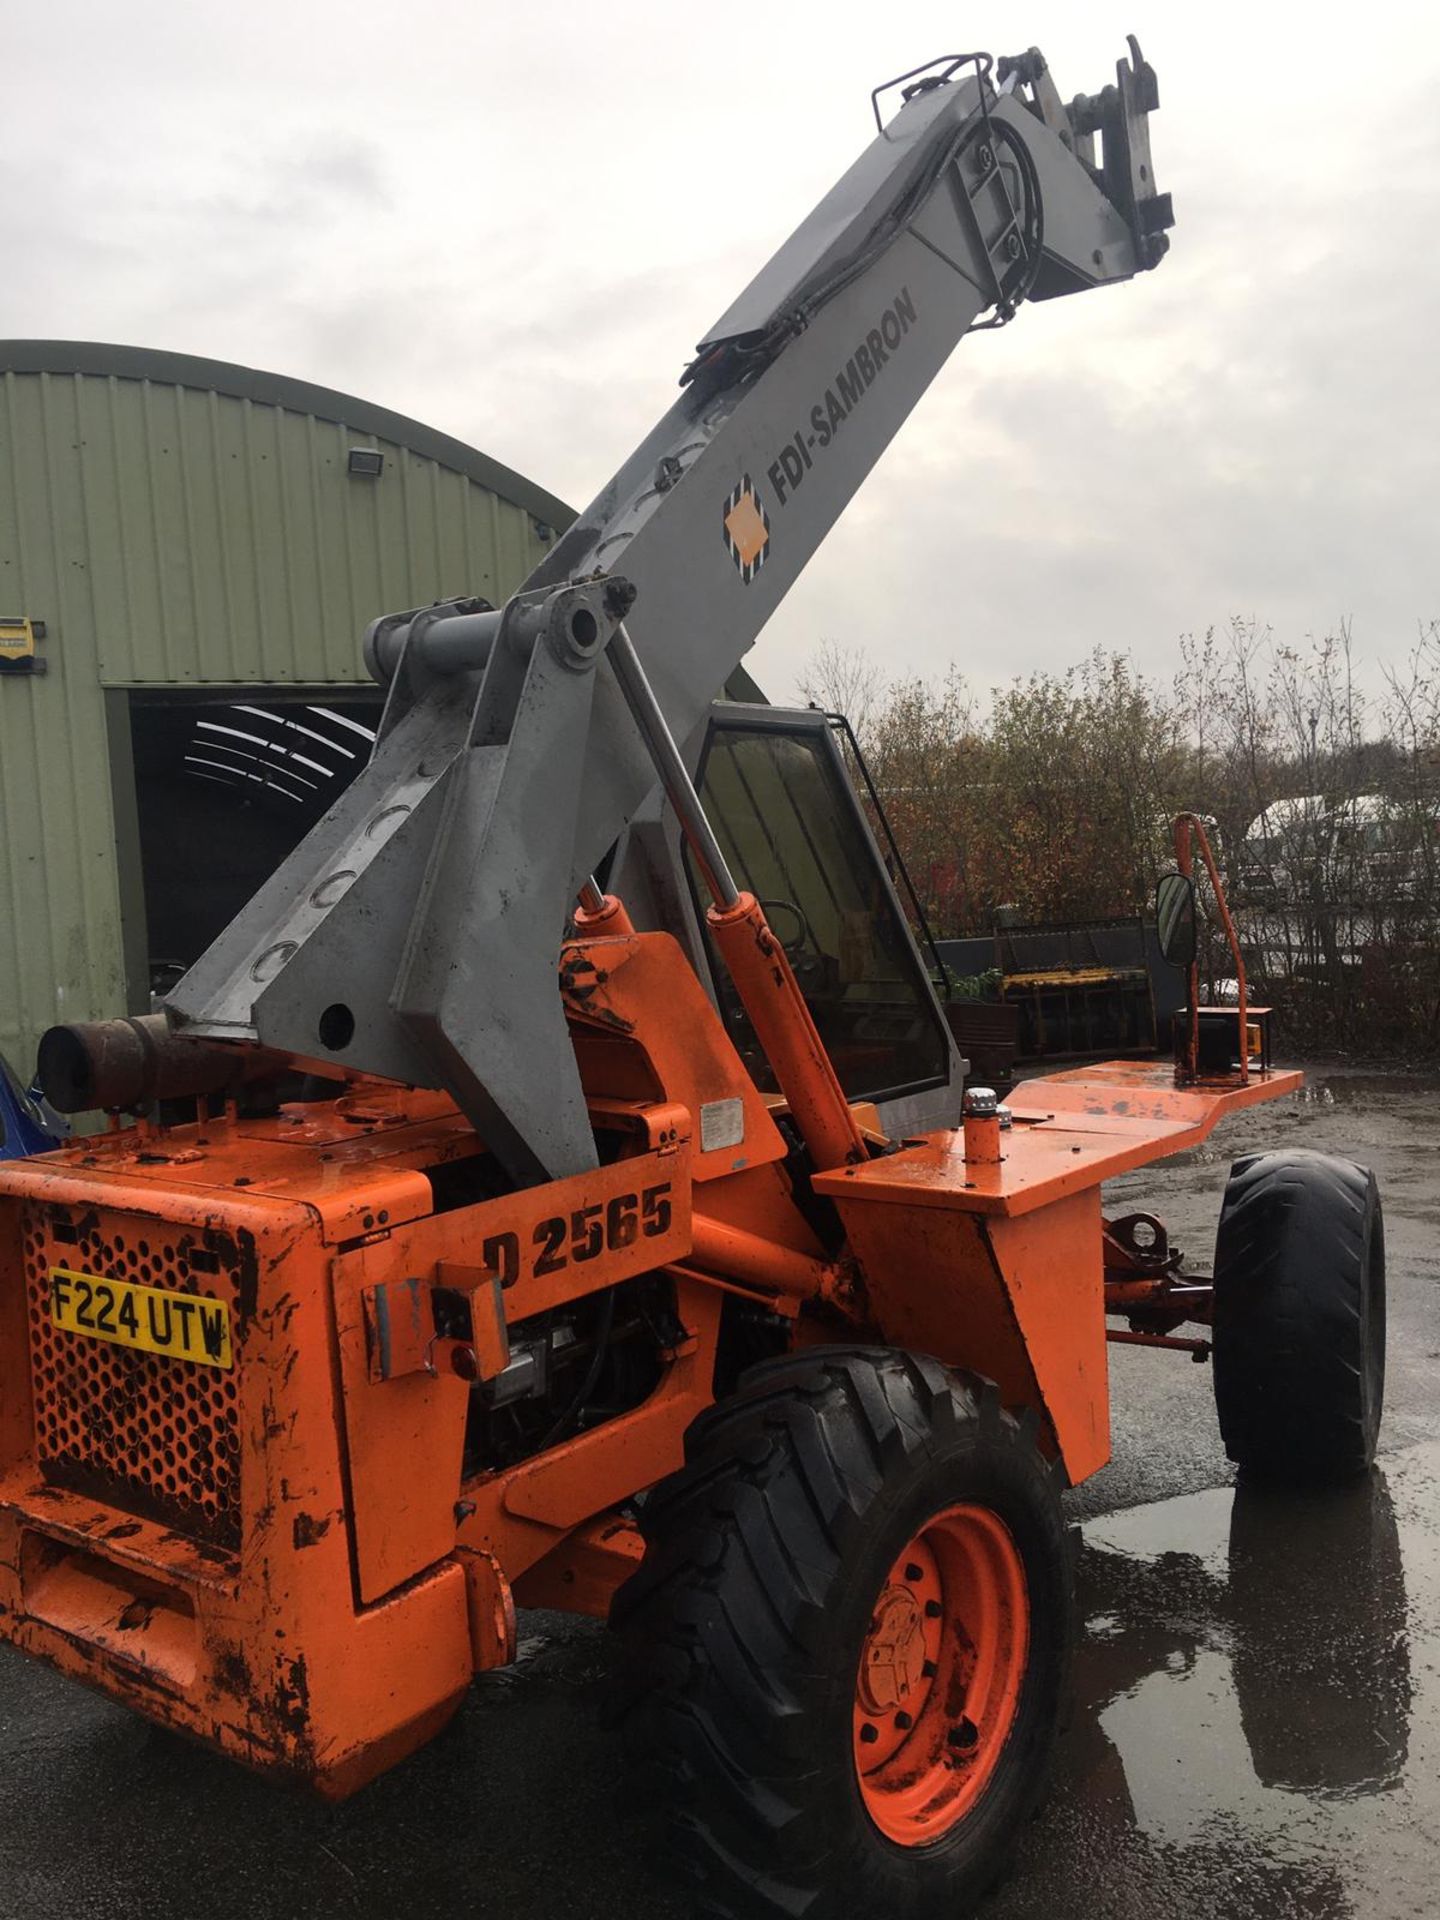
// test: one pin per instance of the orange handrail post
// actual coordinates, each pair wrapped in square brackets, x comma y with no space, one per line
[1188,827]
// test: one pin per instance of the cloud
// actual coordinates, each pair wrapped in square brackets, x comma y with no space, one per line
[516,231]
[1248,430]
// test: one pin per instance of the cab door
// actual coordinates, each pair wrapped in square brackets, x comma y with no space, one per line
[778,797]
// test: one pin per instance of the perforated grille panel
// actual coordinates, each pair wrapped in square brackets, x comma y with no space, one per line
[155,1436]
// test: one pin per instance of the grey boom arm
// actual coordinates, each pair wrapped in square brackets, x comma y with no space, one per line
[414,933]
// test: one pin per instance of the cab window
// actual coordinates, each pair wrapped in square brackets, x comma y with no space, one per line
[791,831]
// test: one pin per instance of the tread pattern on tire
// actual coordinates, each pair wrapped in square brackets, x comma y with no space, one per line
[1299,1295]
[720,1620]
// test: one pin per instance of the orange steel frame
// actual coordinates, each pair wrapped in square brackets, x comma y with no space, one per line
[365,1581]
[1188,829]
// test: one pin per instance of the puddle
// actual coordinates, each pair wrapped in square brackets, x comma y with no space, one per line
[1197,1526]
[1257,1716]
[1360,1089]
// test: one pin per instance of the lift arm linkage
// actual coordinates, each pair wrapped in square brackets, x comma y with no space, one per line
[414,932]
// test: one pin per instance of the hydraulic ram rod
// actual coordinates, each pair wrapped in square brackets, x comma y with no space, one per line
[757,962]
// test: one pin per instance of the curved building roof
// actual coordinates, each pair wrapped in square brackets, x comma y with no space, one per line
[105,360]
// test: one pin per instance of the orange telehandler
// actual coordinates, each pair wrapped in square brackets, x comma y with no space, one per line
[456,1246]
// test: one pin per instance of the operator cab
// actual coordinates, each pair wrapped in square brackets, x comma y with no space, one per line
[780,801]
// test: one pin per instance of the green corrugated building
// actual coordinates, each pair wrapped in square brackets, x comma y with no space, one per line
[189,555]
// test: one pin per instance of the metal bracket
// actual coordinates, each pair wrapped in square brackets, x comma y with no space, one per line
[453,1323]
[442,878]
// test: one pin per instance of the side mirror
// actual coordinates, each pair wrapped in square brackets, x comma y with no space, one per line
[1175,918]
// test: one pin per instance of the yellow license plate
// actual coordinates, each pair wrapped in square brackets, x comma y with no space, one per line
[181,1326]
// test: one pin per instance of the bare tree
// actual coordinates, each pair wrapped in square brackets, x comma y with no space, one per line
[1053,798]
[844,680]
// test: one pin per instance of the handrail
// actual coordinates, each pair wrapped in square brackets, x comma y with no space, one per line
[1187,827]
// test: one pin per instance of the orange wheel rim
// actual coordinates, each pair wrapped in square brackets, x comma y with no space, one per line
[940,1675]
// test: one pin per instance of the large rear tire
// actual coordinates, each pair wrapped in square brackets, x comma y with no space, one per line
[1300,1317]
[846,1644]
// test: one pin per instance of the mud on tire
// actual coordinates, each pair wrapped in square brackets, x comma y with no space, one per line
[744,1626]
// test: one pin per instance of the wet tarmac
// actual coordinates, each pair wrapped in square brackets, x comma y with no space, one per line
[1256,1721]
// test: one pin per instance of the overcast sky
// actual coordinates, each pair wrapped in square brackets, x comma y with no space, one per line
[513,221]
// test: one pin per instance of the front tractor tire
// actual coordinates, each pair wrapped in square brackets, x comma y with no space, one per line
[1299,1350]
[845,1647]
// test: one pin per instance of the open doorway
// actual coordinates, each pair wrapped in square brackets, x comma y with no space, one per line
[224,789]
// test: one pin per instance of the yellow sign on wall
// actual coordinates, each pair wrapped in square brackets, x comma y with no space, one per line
[18,637]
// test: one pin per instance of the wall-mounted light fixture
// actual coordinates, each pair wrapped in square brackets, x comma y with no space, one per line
[368,463]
